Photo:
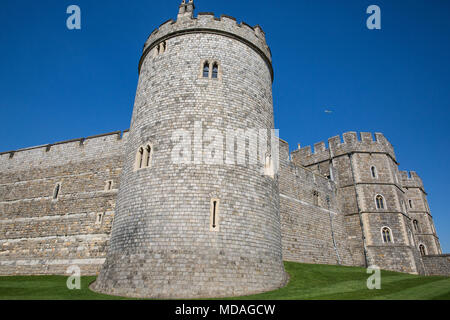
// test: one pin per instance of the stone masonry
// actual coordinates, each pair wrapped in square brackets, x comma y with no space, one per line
[117,204]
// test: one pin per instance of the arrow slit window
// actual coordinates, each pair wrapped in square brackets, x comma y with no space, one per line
[214,219]
[56,191]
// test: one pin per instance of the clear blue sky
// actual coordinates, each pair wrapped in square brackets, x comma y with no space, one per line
[58,84]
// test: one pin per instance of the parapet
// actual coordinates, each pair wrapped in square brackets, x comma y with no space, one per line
[410,179]
[350,143]
[208,23]
[300,171]
[93,147]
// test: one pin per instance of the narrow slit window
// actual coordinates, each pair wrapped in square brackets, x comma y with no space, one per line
[316,198]
[56,191]
[139,158]
[416,225]
[148,152]
[206,70]
[410,204]
[374,172]
[109,185]
[99,219]
[214,215]
[215,71]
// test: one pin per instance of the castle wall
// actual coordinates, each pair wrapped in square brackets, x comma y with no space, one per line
[43,235]
[437,265]
[418,209]
[163,244]
[58,202]
[364,168]
[312,229]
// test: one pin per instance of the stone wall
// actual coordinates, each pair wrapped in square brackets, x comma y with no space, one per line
[364,168]
[162,243]
[438,265]
[43,235]
[312,227]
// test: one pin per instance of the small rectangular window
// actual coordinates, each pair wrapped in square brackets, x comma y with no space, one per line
[99,219]
[109,185]
[214,220]
[56,191]
[316,198]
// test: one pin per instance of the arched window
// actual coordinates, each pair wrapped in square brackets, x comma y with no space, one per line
[373,170]
[147,156]
[206,70]
[416,225]
[144,157]
[56,191]
[139,158]
[215,71]
[386,235]
[423,250]
[380,202]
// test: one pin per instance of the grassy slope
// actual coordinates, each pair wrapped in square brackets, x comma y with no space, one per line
[314,282]
[318,282]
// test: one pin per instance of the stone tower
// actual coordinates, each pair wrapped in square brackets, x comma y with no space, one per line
[196,227]
[372,197]
[415,197]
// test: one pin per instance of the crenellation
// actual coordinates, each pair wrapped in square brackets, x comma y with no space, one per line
[41,156]
[227,18]
[226,25]
[337,147]
[319,147]
[410,179]
[248,27]
[115,204]
[334,142]
[350,138]
[205,17]
[367,137]
[163,26]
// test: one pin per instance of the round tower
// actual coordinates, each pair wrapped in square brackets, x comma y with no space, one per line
[188,225]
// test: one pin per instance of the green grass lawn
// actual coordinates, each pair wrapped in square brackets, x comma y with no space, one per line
[308,282]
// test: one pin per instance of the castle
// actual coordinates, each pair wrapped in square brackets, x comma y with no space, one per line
[118,205]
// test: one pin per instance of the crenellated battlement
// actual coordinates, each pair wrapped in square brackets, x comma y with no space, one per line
[93,147]
[410,179]
[307,174]
[207,22]
[337,146]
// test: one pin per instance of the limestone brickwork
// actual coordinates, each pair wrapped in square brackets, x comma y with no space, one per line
[363,168]
[162,245]
[43,235]
[437,265]
[312,227]
[151,227]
